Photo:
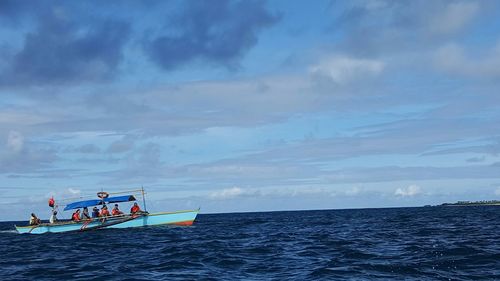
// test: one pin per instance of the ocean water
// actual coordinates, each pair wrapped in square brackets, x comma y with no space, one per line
[436,243]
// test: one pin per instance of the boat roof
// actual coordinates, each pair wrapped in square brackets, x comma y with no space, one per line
[95,202]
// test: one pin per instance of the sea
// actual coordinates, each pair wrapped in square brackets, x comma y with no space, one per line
[427,243]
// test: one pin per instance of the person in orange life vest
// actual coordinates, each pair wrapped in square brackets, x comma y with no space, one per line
[76,215]
[104,212]
[116,211]
[135,209]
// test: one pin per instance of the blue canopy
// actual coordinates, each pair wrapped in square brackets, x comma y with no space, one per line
[81,204]
[118,199]
[95,202]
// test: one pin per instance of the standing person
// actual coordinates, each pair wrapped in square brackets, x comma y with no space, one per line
[53,217]
[116,211]
[95,212]
[135,209]
[34,220]
[76,215]
[85,214]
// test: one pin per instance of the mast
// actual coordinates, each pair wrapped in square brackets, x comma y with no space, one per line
[143,199]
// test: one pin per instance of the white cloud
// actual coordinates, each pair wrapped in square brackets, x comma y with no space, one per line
[497,192]
[15,141]
[74,191]
[353,191]
[454,17]
[227,193]
[343,69]
[409,191]
[453,59]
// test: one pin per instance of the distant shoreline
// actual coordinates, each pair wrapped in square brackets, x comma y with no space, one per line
[472,203]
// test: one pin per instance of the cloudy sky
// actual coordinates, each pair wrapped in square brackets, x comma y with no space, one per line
[250,105]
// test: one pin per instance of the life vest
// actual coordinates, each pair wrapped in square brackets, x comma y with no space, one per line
[52,202]
[116,212]
[104,213]
[135,209]
[75,217]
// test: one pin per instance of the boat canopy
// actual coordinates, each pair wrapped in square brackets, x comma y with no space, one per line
[95,202]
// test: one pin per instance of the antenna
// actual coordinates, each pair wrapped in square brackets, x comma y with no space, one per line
[143,199]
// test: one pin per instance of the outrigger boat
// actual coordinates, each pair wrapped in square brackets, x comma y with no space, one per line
[183,218]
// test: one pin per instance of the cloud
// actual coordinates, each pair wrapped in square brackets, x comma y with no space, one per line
[227,193]
[20,155]
[453,59]
[74,191]
[343,69]
[409,191]
[120,146]
[64,47]
[218,32]
[374,28]
[15,141]
[454,17]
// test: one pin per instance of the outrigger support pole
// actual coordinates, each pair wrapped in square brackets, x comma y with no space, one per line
[143,199]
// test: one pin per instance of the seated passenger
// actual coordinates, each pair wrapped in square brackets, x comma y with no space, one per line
[76,215]
[116,211]
[135,209]
[104,212]
[95,212]
[53,217]
[85,214]
[34,220]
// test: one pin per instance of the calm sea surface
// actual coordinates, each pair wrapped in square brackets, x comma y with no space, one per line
[440,243]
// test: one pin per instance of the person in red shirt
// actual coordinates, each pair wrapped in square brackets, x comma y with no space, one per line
[104,212]
[76,215]
[116,211]
[135,209]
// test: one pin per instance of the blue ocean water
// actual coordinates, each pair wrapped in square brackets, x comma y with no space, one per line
[435,243]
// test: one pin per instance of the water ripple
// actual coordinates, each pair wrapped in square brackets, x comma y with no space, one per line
[375,244]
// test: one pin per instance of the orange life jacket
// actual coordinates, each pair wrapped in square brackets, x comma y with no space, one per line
[116,212]
[104,213]
[51,202]
[75,216]
[135,209]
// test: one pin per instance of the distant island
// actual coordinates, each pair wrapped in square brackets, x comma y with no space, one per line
[473,203]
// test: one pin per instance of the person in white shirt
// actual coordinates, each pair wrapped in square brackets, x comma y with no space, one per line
[53,217]
[34,220]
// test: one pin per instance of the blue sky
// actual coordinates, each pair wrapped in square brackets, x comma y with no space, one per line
[250,105]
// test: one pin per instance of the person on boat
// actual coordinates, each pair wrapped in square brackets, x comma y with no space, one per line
[76,215]
[85,214]
[116,211]
[104,212]
[95,212]
[135,209]
[34,220]
[53,217]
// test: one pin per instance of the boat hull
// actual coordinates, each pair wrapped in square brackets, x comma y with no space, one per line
[184,218]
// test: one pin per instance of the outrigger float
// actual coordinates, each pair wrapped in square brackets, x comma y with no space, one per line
[183,218]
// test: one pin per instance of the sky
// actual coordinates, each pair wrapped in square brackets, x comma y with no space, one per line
[236,106]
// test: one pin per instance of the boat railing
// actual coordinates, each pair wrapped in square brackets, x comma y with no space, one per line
[106,218]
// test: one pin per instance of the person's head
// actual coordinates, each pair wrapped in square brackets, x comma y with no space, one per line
[78,210]
[135,203]
[105,207]
[116,206]
[95,208]
[55,212]
[33,214]
[85,209]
